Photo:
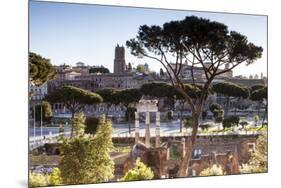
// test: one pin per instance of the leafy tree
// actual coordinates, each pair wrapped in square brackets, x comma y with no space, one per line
[74,99]
[256,119]
[158,90]
[128,98]
[91,123]
[217,111]
[46,111]
[78,124]
[40,69]
[231,90]
[55,177]
[139,172]
[231,122]
[99,70]
[86,159]
[259,95]
[187,122]
[109,97]
[198,42]
[140,68]
[243,124]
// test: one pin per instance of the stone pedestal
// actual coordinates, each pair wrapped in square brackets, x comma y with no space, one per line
[147,131]
[157,130]
[137,127]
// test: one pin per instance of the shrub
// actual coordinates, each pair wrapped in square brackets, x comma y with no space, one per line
[231,122]
[38,180]
[139,172]
[215,170]
[55,177]
[86,159]
[256,119]
[243,123]
[205,126]
[217,111]
[187,122]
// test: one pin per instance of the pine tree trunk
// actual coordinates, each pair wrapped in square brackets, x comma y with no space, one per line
[183,168]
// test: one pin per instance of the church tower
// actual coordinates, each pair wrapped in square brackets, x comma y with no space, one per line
[119,60]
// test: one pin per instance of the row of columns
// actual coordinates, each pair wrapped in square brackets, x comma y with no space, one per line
[147,129]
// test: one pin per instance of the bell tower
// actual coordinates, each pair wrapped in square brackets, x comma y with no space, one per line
[119,60]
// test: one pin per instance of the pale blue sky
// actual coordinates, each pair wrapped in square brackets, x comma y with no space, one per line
[68,33]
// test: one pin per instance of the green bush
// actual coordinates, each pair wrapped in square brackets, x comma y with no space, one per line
[205,126]
[55,177]
[86,159]
[38,180]
[139,172]
[187,122]
[243,123]
[231,122]
[212,171]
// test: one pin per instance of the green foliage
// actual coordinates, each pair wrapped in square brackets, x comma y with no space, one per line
[46,111]
[140,68]
[128,96]
[78,124]
[98,70]
[215,170]
[256,119]
[158,90]
[86,159]
[259,94]
[205,126]
[109,95]
[243,123]
[91,123]
[40,69]
[55,177]
[139,172]
[217,111]
[231,121]
[231,90]
[74,98]
[187,122]
[38,180]
[258,160]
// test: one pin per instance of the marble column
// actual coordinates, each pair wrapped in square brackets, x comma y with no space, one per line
[147,131]
[157,130]
[137,127]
